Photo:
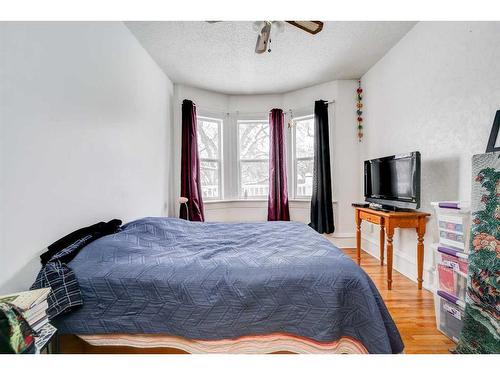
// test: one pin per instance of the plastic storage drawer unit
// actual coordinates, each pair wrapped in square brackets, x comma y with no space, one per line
[451,268]
[449,315]
[453,221]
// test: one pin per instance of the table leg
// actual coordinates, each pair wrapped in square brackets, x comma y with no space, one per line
[390,233]
[55,343]
[382,244]
[358,238]
[420,251]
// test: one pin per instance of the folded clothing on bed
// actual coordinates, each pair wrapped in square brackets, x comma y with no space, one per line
[213,281]
[65,291]
[94,231]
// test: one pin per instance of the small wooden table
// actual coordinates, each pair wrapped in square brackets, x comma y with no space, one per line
[388,221]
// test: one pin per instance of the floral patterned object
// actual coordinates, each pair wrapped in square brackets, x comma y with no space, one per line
[16,336]
[481,332]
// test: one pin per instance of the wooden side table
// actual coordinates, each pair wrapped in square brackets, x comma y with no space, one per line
[388,221]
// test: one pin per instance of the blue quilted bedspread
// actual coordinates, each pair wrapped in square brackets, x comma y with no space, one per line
[225,280]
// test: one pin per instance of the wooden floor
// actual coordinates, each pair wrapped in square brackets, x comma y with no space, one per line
[411,309]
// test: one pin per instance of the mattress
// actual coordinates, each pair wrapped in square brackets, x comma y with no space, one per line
[220,281]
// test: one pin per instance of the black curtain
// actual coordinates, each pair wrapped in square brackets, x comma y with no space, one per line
[321,201]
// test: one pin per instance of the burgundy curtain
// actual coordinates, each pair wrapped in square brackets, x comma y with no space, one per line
[277,206]
[190,166]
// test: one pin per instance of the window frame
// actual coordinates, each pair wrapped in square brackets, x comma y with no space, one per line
[295,159]
[219,161]
[250,120]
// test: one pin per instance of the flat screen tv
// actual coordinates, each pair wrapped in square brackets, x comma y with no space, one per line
[394,181]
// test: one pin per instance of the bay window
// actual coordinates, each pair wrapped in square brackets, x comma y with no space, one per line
[234,156]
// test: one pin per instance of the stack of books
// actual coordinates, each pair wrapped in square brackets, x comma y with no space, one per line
[33,306]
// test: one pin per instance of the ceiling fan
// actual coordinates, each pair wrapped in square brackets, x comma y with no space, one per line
[264,30]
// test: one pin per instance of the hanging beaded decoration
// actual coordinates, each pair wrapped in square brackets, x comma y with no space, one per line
[291,122]
[359,110]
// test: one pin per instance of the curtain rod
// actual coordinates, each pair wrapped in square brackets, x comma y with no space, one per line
[255,112]
[308,107]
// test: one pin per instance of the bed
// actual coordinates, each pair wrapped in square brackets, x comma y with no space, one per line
[225,287]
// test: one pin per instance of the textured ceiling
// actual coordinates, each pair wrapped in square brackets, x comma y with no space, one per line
[220,56]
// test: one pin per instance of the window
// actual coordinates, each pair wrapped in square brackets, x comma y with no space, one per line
[209,151]
[303,156]
[234,156]
[253,157]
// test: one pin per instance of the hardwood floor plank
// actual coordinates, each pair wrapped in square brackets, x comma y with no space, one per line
[411,309]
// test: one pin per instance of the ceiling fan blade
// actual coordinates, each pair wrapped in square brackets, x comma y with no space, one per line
[312,27]
[263,39]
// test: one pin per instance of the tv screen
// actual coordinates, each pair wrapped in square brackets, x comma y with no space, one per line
[394,180]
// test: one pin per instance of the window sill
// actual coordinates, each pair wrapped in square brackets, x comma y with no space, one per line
[233,200]
[297,200]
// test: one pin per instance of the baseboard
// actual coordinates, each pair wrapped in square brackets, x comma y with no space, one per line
[401,262]
[342,239]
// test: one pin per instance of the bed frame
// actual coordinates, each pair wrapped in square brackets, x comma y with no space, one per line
[72,344]
[158,344]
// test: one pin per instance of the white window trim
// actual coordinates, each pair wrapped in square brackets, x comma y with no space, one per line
[293,159]
[220,160]
[240,120]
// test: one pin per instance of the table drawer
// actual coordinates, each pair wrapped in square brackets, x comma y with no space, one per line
[370,217]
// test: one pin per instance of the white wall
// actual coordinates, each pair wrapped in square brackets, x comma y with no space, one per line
[344,149]
[83,118]
[435,91]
